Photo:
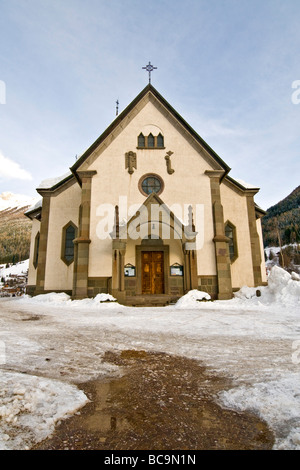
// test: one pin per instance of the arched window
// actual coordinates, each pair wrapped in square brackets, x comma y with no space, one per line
[230,232]
[141,140]
[160,141]
[150,141]
[68,235]
[36,250]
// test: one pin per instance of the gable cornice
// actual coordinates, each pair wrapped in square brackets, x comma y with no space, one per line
[150,91]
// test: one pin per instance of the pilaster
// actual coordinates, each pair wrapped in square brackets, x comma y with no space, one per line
[254,239]
[43,242]
[220,240]
[82,243]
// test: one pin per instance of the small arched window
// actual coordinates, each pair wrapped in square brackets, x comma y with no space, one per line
[150,141]
[160,141]
[68,235]
[141,140]
[230,232]
[36,250]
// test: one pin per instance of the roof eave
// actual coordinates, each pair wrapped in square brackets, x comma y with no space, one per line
[149,89]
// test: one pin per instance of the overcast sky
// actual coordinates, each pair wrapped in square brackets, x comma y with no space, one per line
[227,66]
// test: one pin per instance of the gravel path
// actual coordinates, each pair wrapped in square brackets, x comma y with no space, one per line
[162,402]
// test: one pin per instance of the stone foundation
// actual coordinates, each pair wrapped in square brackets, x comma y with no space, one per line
[209,284]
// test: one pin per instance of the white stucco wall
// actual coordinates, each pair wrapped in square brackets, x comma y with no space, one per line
[235,210]
[31,269]
[113,185]
[64,208]
[188,185]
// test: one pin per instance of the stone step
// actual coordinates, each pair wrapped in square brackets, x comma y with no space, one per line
[150,300]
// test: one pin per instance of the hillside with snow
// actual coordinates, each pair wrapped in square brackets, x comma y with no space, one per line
[16,201]
[15,228]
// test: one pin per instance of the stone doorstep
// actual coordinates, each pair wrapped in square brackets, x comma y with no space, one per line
[150,300]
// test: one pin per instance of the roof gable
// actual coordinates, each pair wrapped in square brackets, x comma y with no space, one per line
[150,93]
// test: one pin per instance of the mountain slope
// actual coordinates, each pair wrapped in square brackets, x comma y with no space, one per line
[15,228]
[281,224]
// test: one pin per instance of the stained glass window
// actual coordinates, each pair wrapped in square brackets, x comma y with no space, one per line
[230,233]
[69,245]
[141,140]
[151,184]
[160,141]
[150,140]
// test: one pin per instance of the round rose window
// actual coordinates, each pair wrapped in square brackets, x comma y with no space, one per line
[151,184]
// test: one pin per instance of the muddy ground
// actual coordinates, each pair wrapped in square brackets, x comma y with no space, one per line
[162,402]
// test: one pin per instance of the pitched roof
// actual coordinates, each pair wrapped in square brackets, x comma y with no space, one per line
[149,89]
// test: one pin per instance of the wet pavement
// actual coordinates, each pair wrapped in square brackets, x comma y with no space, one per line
[162,402]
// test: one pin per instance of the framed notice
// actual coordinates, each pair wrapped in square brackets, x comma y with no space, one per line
[176,270]
[129,270]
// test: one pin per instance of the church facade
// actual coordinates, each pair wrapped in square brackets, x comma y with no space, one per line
[147,213]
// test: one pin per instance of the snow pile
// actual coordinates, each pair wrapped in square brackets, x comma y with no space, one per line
[54,298]
[262,399]
[283,289]
[64,300]
[104,298]
[192,299]
[30,406]
[295,276]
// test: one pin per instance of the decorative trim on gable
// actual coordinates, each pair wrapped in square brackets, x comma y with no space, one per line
[130,162]
[168,163]
[150,93]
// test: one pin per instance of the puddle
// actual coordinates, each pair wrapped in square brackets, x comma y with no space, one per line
[162,402]
[31,318]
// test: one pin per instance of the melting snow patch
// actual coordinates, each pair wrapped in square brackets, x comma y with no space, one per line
[277,402]
[30,406]
[64,300]
[192,299]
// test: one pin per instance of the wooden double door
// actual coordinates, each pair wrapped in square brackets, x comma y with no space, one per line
[152,272]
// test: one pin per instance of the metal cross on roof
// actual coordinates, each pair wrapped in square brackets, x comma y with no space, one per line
[149,69]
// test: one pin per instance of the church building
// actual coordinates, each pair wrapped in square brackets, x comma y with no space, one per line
[147,213]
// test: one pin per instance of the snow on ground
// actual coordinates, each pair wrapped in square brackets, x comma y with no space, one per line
[50,343]
[19,268]
[32,405]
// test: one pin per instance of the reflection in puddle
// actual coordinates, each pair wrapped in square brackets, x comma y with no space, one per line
[101,418]
[162,402]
